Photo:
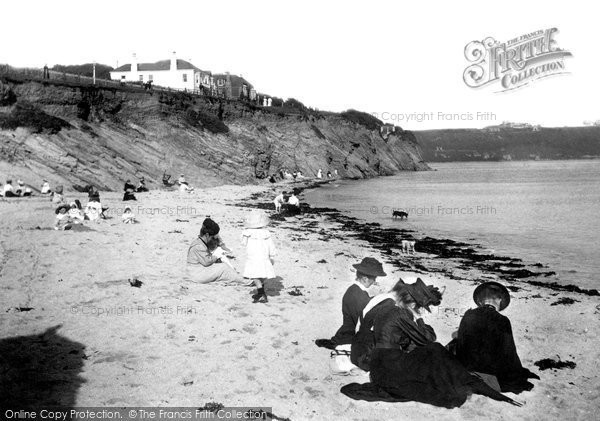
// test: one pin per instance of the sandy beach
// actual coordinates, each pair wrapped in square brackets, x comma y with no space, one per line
[73,332]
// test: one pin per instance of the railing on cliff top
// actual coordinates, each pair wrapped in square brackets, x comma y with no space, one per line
[68,79]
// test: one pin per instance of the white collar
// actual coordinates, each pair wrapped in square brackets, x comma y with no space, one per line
[361,286]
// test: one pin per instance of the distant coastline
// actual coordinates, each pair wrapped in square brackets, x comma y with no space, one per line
[510,143]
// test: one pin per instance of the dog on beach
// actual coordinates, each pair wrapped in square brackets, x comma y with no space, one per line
[408,246]
[399,214]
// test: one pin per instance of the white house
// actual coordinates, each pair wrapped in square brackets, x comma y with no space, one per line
[173,73]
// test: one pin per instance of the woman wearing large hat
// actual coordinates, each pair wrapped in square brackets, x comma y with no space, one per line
[485,342]
[354,301]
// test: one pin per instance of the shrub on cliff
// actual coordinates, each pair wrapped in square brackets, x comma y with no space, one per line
[25,114]
[206,121]
[7,95]
[364,119]
[294,103]
[102,70]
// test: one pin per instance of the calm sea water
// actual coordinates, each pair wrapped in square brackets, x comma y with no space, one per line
[539,211]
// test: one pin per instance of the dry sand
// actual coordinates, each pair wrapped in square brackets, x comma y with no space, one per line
[176,343]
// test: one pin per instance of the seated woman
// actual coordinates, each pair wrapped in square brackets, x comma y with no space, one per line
[57,195]
[141,186]
[205,263]
[485,344]
[63,220]
[93,211]
[128,189]
[407,365]
[45,187]
[93,194]
[9,190]
[128,217]
[75,214]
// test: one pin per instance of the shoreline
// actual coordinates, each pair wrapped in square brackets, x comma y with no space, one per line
[430,250]
[172,342]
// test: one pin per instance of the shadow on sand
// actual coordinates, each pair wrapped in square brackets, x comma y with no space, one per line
[40,371]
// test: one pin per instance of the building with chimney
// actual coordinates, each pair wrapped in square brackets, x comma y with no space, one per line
[173,73]
[180,74]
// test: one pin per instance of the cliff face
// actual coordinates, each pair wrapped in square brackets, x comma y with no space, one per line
[103,137]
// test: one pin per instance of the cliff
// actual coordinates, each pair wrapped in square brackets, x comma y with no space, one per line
[87,135]
[505,143]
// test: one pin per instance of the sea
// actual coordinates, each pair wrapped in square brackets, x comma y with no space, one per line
[544,212]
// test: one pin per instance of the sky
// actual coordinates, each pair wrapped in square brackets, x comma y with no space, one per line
[402,61]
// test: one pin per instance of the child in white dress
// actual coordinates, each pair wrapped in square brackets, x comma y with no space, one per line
[261,251]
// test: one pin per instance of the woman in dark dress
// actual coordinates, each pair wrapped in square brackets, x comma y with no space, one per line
[407,364]
[128,188]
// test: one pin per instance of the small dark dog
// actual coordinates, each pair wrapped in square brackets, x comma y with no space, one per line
[399,214]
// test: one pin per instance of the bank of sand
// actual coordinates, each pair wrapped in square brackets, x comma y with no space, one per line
[85,337]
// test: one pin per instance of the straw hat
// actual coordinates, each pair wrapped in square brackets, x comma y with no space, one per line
[491,290]
[257,219]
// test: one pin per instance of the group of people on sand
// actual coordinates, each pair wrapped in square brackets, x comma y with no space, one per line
[208,261]
[386,336]
[21,190]
[285,175]
[71,216]
[293,203]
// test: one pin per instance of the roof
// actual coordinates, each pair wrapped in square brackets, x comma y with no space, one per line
[158,66]
[236,81]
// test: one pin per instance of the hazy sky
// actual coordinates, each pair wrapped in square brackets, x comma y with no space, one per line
[393,58]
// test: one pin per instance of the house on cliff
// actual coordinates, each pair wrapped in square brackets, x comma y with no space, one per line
[232,86]
[180,74]
[172,73]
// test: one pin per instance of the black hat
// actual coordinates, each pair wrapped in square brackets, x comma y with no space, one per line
[491,289]
[210,227]
[370,266]
[424,295]
[63,206]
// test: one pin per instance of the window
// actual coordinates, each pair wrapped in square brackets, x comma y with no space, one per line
[220,82]
[185,77]
[123,77]
[150,77]
[141,78]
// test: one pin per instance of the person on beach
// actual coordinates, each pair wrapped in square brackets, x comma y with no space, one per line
[128,189]
[93,211]
[207,261]
[279,200]
[363,341]
[485,343]
[57,195]
[20,188]
[354,301]
[8,189]
[94,197]
[261,251]
[93,194]
[75,213]
[294,204]
[408,365]
[45,187]
[62,217]
[128,217]
[141,188]
[320,173]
